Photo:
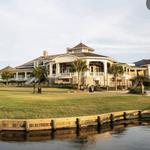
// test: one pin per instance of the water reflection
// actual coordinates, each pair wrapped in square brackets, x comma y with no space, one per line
[130,135]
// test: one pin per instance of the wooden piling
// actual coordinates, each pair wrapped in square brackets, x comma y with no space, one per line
[78,124]
[53,125]
[140,114]
[125,116]
[111,118]
[26,126]
[98,122]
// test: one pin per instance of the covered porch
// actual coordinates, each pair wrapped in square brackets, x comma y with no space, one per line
[22,75]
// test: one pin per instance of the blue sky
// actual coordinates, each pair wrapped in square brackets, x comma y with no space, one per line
[117,28]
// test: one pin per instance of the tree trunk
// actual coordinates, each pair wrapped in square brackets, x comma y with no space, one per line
[34,88]
[78,80]
[116,86]
[39,88]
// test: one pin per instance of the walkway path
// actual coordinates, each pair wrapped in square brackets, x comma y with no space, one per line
[148,93]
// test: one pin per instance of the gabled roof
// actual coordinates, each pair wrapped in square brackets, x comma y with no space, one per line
[30,64]
[81,46]
[142,62]
[8,68]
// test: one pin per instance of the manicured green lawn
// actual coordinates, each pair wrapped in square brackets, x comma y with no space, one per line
[21,103]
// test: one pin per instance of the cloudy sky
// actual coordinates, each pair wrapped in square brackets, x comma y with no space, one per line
[117,28]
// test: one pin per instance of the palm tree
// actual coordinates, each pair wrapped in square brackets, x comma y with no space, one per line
[116,70]
[40,74]
[6,75]
[80,67]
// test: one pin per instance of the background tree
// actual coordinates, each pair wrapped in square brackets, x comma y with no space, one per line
[79,66]
[40,74]
[6,75]
[141,81]
[116,70]
[138,80]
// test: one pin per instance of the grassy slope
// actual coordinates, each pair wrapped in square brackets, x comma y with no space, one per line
[21,103]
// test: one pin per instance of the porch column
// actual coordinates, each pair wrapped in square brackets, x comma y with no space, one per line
[105,68]
[16,75]
[88,66]
[129,71]
[135,72]
[50,69]
[105,74]
[148,71]
[126,71]
[25,75]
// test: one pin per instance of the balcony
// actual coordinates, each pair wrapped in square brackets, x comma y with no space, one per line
[96,74]
[65,75]
[20,79]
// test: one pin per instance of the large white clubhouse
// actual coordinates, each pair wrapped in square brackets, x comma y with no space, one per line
[59,68]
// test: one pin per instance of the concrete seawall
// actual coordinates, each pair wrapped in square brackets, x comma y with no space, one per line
[70,122]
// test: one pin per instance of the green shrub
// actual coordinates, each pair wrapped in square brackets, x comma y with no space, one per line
[65,86]
[135,90]
[147,87]
[98,88]
[146,83]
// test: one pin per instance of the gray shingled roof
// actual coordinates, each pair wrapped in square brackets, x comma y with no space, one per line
[8,68]
[30,64]
[87,55]
[142,62]
[81,45]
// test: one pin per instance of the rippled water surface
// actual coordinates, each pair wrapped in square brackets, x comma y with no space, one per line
[129,138]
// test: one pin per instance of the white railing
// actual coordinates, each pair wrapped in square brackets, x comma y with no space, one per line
[75,74]
[96,73]
[66,74]
[21,79]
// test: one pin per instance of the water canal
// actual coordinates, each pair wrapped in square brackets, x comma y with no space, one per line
[131,135]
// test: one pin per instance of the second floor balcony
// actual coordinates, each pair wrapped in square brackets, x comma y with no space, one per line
[63,75]
[71,75]
[66,75]
[96,73]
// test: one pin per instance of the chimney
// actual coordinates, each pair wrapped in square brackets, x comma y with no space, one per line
[68,50]
[45,53]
